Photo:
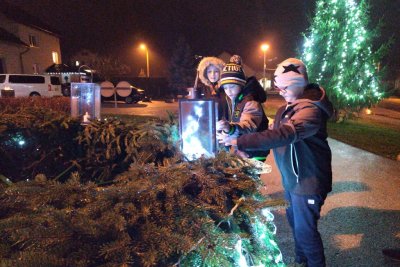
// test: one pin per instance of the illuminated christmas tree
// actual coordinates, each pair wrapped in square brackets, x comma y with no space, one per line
[339,54]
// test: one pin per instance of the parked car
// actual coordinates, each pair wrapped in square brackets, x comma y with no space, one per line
[31,84]
[135,96]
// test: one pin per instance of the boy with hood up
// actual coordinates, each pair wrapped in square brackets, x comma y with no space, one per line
[299,142]
[245,113]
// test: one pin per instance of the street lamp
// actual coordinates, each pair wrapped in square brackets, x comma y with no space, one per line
[144,47]
[264,48]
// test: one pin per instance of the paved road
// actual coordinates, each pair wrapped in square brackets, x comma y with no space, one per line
[387,112]
[360,217]
[362,214]
[154,108]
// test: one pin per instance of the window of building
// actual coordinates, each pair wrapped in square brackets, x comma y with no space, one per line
[33,42]
[55,58]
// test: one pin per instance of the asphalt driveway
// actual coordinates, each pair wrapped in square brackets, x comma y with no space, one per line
[360,216]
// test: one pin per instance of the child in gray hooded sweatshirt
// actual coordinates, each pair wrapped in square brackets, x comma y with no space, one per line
[302,153]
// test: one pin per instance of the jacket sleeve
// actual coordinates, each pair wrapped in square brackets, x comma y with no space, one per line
[250,119]
[304,123]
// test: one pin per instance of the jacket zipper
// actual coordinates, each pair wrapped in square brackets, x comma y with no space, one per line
[292,148]
[231,108]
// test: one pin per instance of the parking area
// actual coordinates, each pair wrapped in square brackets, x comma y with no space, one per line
[155,108]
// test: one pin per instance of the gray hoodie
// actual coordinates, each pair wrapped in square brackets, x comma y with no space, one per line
[298,140]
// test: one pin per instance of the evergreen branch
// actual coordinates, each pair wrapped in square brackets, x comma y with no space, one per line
[216,227]
[74,163]
[160,210]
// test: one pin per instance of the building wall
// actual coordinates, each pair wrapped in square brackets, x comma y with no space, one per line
[41,55]
[9,57]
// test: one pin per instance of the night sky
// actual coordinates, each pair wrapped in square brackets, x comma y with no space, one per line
[209,27]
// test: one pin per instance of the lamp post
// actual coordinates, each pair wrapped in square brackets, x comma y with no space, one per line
[144,47]
[264,48]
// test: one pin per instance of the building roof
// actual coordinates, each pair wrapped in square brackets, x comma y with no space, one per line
[60,68]
[18,15]
[10,38]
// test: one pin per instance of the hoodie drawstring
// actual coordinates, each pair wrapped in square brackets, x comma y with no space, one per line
[292,148]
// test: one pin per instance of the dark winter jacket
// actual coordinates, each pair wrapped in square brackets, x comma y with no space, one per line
[204,92]
[247,115]
[298,140]
[221,102]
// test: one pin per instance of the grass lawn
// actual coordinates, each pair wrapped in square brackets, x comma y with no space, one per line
[128,118]
[376,138]
[270,111]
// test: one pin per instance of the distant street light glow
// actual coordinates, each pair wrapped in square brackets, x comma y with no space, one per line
[264,48]
[144,47]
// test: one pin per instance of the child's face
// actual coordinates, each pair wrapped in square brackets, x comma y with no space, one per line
[289,93]
[213,73]
[232,90]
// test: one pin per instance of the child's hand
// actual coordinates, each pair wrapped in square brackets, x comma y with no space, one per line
[228,140]
[221,136]
[223,125]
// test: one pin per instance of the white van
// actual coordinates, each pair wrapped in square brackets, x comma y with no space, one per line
[31,84]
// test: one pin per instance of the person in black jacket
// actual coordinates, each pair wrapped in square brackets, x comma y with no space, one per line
[302,153]
[244,98]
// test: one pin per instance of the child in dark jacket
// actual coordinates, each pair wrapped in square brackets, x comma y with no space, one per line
[302,153]
[245,113]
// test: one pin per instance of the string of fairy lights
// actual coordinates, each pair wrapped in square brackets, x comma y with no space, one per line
[337,51]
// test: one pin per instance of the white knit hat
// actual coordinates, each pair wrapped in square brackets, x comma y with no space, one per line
[291,72]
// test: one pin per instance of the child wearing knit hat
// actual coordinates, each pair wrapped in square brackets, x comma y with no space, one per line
[298,139]
[290,79]
[245,113]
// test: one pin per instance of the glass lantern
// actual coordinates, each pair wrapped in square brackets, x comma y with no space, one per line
[197,128]
[85,101]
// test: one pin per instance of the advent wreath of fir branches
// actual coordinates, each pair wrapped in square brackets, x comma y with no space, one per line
[206,212]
